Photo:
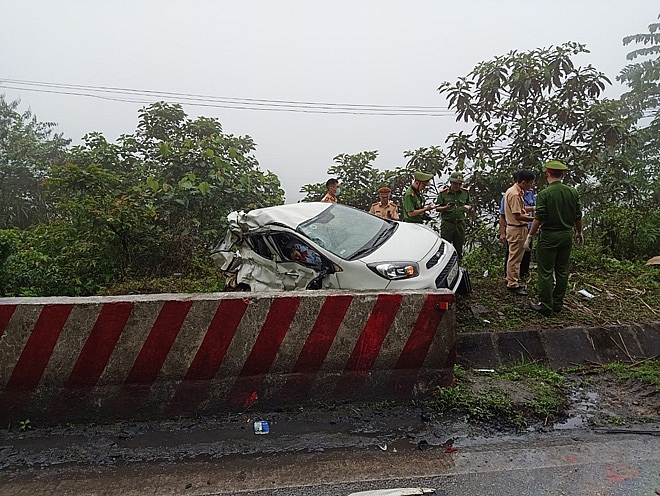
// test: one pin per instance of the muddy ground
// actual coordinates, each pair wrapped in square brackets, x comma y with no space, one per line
[593,401]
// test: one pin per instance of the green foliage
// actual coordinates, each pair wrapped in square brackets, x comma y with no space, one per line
[526,108]
[529,107]
[481,406]
[27,148]
[357,176]
[633,232]
[531,370]
[164,191]
[54,260]
[508,394]
[648,371]
[643,77]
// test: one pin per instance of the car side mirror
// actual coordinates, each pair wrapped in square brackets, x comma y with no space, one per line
[317,282]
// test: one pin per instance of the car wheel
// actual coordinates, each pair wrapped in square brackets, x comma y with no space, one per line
[240,287]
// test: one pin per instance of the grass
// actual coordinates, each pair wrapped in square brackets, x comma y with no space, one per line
[625,293]
[647,372]
[166,285]
[530,393]
[513,395]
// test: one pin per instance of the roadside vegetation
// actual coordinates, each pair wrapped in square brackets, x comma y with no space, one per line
[531,395]
[142,214]
[623,292]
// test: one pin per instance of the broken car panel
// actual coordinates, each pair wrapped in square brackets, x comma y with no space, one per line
[351,249]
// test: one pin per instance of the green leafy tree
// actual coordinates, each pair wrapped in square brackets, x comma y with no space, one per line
[359,180]
[27,148]
[430,159]
[625,199]
[164,191]
[643,77]
[529,107]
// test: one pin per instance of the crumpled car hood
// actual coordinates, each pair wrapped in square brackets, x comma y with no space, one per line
[407,243]
[251,269]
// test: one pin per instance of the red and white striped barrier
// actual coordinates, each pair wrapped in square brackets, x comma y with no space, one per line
[150,356]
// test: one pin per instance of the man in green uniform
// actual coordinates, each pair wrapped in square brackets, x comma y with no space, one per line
[453,202]
[413,200]
[558,213]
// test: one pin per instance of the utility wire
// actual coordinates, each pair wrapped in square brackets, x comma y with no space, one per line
[124,94]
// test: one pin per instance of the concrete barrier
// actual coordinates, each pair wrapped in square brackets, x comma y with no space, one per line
[560,347]
[153,356]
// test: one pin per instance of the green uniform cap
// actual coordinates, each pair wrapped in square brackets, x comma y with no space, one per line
[423,176]
[555,165]
[456,177]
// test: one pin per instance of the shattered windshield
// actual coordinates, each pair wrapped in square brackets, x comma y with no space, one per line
[347,232]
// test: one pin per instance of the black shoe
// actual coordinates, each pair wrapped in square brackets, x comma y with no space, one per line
[518,290]
[537,307]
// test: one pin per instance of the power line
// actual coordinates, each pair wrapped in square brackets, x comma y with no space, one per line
[125,94]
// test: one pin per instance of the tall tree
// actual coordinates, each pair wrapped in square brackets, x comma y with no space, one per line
[165,190]
[528,107]
[643,77]
[358,178]
[27,148]
[627,218]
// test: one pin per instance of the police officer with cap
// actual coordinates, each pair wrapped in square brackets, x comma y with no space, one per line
[558,214]
[413,201]
[385,208]
[453,201]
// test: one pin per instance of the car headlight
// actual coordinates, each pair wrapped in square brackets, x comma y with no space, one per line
[395,270]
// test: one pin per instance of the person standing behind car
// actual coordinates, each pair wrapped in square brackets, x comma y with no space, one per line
[333,188]
[502,226]
[530,205]
[413,200]
[516,228]
[558,213]
[385,208]
[453,202]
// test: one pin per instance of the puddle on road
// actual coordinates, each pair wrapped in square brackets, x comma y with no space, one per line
[583,405]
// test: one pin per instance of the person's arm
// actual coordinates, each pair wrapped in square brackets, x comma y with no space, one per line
[532,232]
[502,223]
[523,218]
[468,203]
[579,237]
[395,213]
[420,211]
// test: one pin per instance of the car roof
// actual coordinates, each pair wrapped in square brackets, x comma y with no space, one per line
[291,215]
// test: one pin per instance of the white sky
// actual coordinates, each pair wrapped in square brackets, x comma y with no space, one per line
[376,52]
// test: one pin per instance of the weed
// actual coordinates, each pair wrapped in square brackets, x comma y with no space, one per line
[355,412]
[647,372]
[626,292]
[24,425]
[547,403]
[614,420]
[383,405]
[533,371]
[485,405]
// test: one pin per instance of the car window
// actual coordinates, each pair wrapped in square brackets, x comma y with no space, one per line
[259,246]
[347,232]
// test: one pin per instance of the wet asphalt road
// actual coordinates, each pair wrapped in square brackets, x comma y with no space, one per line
[326,456]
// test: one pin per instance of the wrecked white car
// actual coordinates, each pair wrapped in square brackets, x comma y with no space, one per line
[332,246]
